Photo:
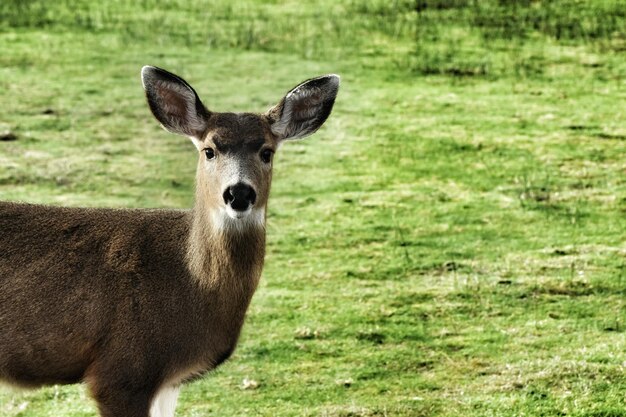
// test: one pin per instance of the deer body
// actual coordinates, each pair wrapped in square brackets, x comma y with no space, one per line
[136,302]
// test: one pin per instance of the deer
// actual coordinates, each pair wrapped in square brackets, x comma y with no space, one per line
[136,302]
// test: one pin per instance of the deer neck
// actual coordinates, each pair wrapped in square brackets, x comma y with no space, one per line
[225,257]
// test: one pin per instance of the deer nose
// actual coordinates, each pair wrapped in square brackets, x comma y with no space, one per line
[239,196]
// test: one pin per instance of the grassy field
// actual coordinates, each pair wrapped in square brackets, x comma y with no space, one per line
[452,242]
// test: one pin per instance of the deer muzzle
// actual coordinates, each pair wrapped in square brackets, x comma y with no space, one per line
[239,197]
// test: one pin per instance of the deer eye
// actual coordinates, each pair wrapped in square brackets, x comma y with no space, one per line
[266,155]
[210,153]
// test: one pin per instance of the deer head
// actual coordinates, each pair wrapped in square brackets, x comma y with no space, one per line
[236,150]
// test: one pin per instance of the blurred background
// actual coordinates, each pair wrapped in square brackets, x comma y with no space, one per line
[451,242]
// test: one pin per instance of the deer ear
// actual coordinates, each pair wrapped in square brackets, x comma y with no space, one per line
[174,103]
[305,108]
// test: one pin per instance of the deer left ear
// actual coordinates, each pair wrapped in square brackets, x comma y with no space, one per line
[305,108]
[175,103]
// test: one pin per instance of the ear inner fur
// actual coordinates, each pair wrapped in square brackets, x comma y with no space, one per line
[174,103]
[305,108]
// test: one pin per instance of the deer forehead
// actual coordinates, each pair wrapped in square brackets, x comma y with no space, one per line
[233,132]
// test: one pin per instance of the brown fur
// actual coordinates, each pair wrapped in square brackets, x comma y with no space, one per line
[64,310]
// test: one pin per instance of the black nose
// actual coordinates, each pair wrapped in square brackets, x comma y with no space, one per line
[239,196]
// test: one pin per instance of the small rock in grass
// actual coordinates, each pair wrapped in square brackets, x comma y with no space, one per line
[249,384]
[7,136]
[345,382]
[306,333]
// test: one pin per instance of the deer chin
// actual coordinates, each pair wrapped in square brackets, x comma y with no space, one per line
[237,214]
[229,219]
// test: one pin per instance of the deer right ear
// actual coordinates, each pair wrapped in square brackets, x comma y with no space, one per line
[305,108]
[174,103]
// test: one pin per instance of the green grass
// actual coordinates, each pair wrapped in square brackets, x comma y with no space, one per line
[452,242]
